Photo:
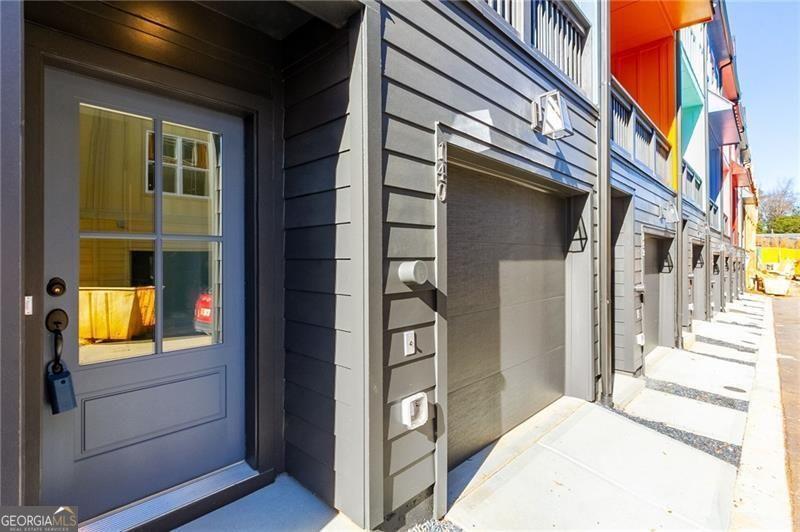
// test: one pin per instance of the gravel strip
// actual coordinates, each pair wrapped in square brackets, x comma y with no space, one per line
[740,324]
[697,395]
[753,314]
[725,359]
[718,449]
[434,525]
[729,345]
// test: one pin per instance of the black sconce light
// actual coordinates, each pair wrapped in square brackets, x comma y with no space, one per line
[668,264]
[716,265]
[700,261]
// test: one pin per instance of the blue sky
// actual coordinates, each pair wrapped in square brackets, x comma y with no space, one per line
[767,36]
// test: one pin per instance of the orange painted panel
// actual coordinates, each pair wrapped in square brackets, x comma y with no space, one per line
[648,74]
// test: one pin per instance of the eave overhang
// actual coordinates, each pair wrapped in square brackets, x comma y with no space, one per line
[722,119]
[638,22]
[741,175]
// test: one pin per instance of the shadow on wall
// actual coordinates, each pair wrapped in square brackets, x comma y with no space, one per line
[622,301]
[322,385]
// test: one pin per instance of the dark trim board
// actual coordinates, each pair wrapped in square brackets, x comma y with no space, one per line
[11,242]
[263,216]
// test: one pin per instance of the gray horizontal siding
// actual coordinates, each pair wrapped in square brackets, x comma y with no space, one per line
[693,232]
[323,367]
[439,64]
[648,196]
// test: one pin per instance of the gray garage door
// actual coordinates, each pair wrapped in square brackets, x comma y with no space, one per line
[506,282]
[652,295]
[699,284]
[716,284]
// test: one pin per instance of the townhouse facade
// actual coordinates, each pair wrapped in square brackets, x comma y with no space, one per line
[352,241]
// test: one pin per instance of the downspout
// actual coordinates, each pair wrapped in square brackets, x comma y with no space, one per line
[604,206]
[679,240]
[708,256]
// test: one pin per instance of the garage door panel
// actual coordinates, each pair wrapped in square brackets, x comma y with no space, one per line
[481,413]
[489,275]
[505,309]
[517,231]
[485,342]
[490,210]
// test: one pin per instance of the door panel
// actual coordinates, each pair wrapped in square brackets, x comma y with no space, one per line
[505,309]
[652,295]
[699,292]
[716,284]
[143,220]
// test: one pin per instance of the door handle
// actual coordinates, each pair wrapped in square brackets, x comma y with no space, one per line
[56,321]
[58,379]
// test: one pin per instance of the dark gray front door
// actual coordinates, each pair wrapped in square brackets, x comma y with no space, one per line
[652,292]
[699,282]
[716,284]
[143,204]
[505,307]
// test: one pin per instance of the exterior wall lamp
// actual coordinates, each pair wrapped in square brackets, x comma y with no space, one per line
[669,213]
[668,265]
[551,116]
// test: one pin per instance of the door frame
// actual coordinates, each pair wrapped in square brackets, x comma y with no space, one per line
[263,270]
[667,284]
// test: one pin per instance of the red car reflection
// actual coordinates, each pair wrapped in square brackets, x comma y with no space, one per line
[203,314]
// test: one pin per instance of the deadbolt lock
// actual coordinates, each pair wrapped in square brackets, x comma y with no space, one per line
[56,286]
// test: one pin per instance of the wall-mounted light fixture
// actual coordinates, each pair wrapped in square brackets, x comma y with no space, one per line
[715,268]
[551,116]
[700,261]
[668,265]
[669,213]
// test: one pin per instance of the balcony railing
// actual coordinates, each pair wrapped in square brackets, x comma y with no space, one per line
[639,139]
[556,28]
[560,36]
[692,184]
[507,9]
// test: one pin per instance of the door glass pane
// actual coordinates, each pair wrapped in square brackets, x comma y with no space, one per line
[116,300]
[192,288]
[114,171]
[192,162]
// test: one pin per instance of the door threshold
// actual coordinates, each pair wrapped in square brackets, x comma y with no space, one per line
[156,507]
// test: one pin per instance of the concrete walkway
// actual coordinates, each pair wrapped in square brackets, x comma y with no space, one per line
[692,444]
[696,443]
[284,505]
[787,336]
